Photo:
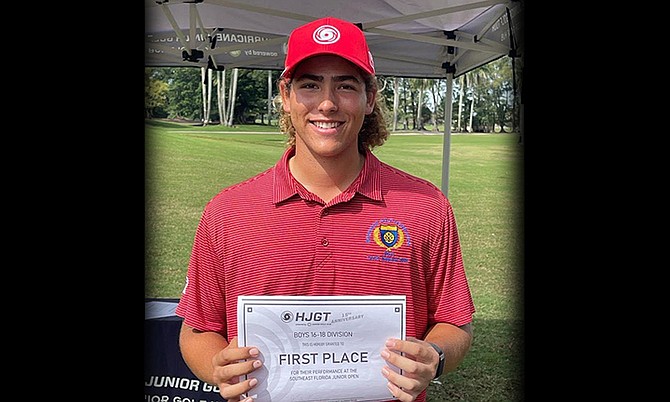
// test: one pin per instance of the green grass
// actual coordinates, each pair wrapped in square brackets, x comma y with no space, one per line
[186,165]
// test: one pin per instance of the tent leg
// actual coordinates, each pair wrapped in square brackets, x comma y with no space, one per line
[446,145]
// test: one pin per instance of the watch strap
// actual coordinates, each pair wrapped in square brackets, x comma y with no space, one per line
[440,364]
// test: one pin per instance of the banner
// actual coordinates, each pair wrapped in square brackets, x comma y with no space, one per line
[167,378]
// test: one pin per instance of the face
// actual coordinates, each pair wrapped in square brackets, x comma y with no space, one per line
[327,103]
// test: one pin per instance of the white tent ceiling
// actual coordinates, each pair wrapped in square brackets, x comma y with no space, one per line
[408,38]
[419,38]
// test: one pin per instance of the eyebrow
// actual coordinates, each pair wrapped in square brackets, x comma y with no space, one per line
[319,78]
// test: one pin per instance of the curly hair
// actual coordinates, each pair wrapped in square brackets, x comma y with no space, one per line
[373,132]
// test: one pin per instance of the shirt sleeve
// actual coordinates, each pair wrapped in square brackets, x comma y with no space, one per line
[449,289]
[202,304]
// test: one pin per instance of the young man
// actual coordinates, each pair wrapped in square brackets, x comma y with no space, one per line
[328,219]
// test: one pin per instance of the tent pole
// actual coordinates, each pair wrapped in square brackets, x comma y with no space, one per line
[446,144]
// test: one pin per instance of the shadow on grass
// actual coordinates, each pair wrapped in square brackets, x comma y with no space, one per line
[168,124]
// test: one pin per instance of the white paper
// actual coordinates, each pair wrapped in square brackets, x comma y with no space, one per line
[320,348]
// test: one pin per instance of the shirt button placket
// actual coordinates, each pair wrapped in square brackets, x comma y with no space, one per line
[324,240]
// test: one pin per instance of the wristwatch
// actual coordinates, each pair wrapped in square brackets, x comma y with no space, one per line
[440,365]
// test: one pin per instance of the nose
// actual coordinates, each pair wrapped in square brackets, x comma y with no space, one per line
[328,103]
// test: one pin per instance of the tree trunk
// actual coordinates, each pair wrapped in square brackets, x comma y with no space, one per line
[203,85]
[222,97]
[459,126]
[472,113]
[233,95]
[404,105]
[419,120]
[396,99]
[433,114]
[269,97]
[412,109]
[209,96]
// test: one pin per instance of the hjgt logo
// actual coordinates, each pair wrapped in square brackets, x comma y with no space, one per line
[312,316]
[316,316]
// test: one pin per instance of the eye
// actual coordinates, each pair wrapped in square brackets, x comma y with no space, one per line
[348,86]
[309,85]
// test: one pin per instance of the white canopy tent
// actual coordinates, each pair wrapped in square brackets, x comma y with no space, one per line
[419,38]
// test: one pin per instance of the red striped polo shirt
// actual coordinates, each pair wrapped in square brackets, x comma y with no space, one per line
[389,233]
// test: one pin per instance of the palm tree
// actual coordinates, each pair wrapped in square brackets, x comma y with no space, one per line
[221,96]
[231,97]
[434,91]
[396,100]
[206,81]
[420,83]
[475,79]
[461,92]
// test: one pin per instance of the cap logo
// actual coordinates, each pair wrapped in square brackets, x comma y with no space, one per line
[326,35]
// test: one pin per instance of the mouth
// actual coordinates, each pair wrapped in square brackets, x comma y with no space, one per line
[326,125]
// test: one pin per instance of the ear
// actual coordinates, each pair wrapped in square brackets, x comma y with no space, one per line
[370,102]
[285,96]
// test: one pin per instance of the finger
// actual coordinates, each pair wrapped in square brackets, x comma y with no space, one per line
[416,374]
[411,386]
[414,349]
[233,392]
[399,394]
[249,399]
[230,372]
[394,390]
[232,353]
[406,364]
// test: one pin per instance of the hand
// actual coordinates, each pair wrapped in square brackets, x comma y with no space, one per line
[418,365]
[228,367]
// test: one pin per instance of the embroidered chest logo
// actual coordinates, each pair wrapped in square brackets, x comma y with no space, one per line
[390,235]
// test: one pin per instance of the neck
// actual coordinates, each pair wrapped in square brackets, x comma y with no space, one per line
[325,176]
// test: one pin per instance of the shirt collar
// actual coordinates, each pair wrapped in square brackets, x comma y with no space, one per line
[368,182]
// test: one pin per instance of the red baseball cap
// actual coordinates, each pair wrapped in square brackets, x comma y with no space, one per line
[328,35]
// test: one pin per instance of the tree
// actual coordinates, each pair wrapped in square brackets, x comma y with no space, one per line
[155,94]
[221,97]
[251,95]
[232,97]
[185,93]
[244,96]
[206,74]
[420,83]
[396,100]
[461,93]
[437,101]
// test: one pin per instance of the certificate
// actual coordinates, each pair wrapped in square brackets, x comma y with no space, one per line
[320,348]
